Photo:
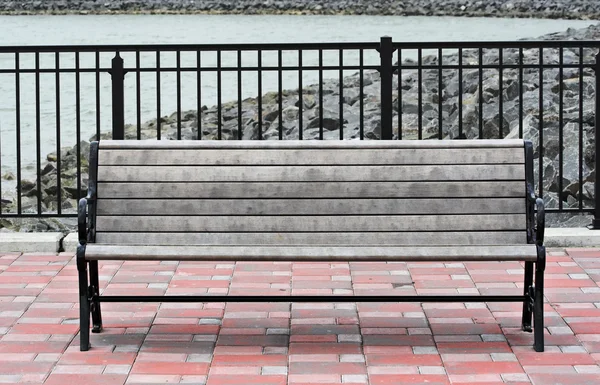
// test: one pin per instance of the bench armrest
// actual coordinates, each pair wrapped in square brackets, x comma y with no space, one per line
[540,223]
[82,220]
[540,216]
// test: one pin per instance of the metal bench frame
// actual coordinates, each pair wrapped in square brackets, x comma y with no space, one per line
[532,298]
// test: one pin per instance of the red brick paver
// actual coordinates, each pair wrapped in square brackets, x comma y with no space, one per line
[302,343]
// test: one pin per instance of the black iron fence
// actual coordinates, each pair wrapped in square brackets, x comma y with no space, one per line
[54,99]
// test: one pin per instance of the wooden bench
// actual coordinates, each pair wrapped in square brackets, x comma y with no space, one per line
[333,201]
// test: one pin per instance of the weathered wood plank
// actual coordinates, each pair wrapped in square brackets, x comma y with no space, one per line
[310,206]
[316,253]
[311,223]
[313,190]
[324,238]
[235,157]
[301,144]
[309,173]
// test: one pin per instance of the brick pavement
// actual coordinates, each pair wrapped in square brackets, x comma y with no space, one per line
[299,344]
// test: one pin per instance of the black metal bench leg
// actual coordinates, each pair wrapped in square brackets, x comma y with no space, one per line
[527,305]
[84,303]
[538,307]
[94,293]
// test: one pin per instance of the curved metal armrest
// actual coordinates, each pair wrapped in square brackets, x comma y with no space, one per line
[540,224]
[82,220]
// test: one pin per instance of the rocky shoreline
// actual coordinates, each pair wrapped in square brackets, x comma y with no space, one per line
[551,9]
[509,123]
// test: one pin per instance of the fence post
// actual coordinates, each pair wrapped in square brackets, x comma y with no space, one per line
[118,97]
[386,71]
[596,220]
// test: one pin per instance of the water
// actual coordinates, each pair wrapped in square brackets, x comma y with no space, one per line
[196,29]
[200,29]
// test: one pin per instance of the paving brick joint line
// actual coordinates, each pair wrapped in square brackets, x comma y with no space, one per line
[300,343]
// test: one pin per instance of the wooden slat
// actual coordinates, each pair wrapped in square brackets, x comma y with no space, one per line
[311,223]
[234,157]
[302,144]
[323,238]
[310,206]
[309,173]
[317,253]
[312,190]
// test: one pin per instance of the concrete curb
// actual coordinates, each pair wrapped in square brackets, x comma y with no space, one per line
[55,242]
[30,242]
[70,242]
[572,237]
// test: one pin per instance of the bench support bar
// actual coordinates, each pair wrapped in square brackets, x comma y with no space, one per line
[528,305]
[84,300]
[538,306]
[311,298]
[93,295]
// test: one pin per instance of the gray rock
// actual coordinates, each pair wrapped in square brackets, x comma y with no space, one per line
[573,9]
[9,176]
[328,123]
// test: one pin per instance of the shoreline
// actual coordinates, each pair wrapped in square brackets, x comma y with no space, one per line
[592,18]
[526,9]
[273,12]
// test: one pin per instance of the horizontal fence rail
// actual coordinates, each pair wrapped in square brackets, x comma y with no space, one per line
[55,99]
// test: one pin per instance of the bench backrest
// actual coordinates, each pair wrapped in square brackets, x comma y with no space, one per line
[465,192]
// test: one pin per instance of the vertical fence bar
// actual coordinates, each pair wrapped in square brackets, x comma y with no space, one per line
[259,52]
[158,120]
[361,62]
[0,166]
[18,127]
[460,93]
[280,91]
[580,160]
[78,121]
[596,220]
[219,97]
[341,94]
[500,93]
[118,97]
[239,93]
[521,63]
[300,97]
[480,93]
[57,86]
[440,104]
[38,134]
[541,124]
[386,69]
[97,95]
[199,94]
[138,94]
[560,127]
[400,93]
[178,63]
[320,94]
[420,93]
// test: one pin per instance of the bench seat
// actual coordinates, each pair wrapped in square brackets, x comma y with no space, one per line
[324,253]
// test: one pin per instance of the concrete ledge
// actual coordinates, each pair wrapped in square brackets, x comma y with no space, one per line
[70,242]
[554,237]
[30,242]
[51,242]
[572,237]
